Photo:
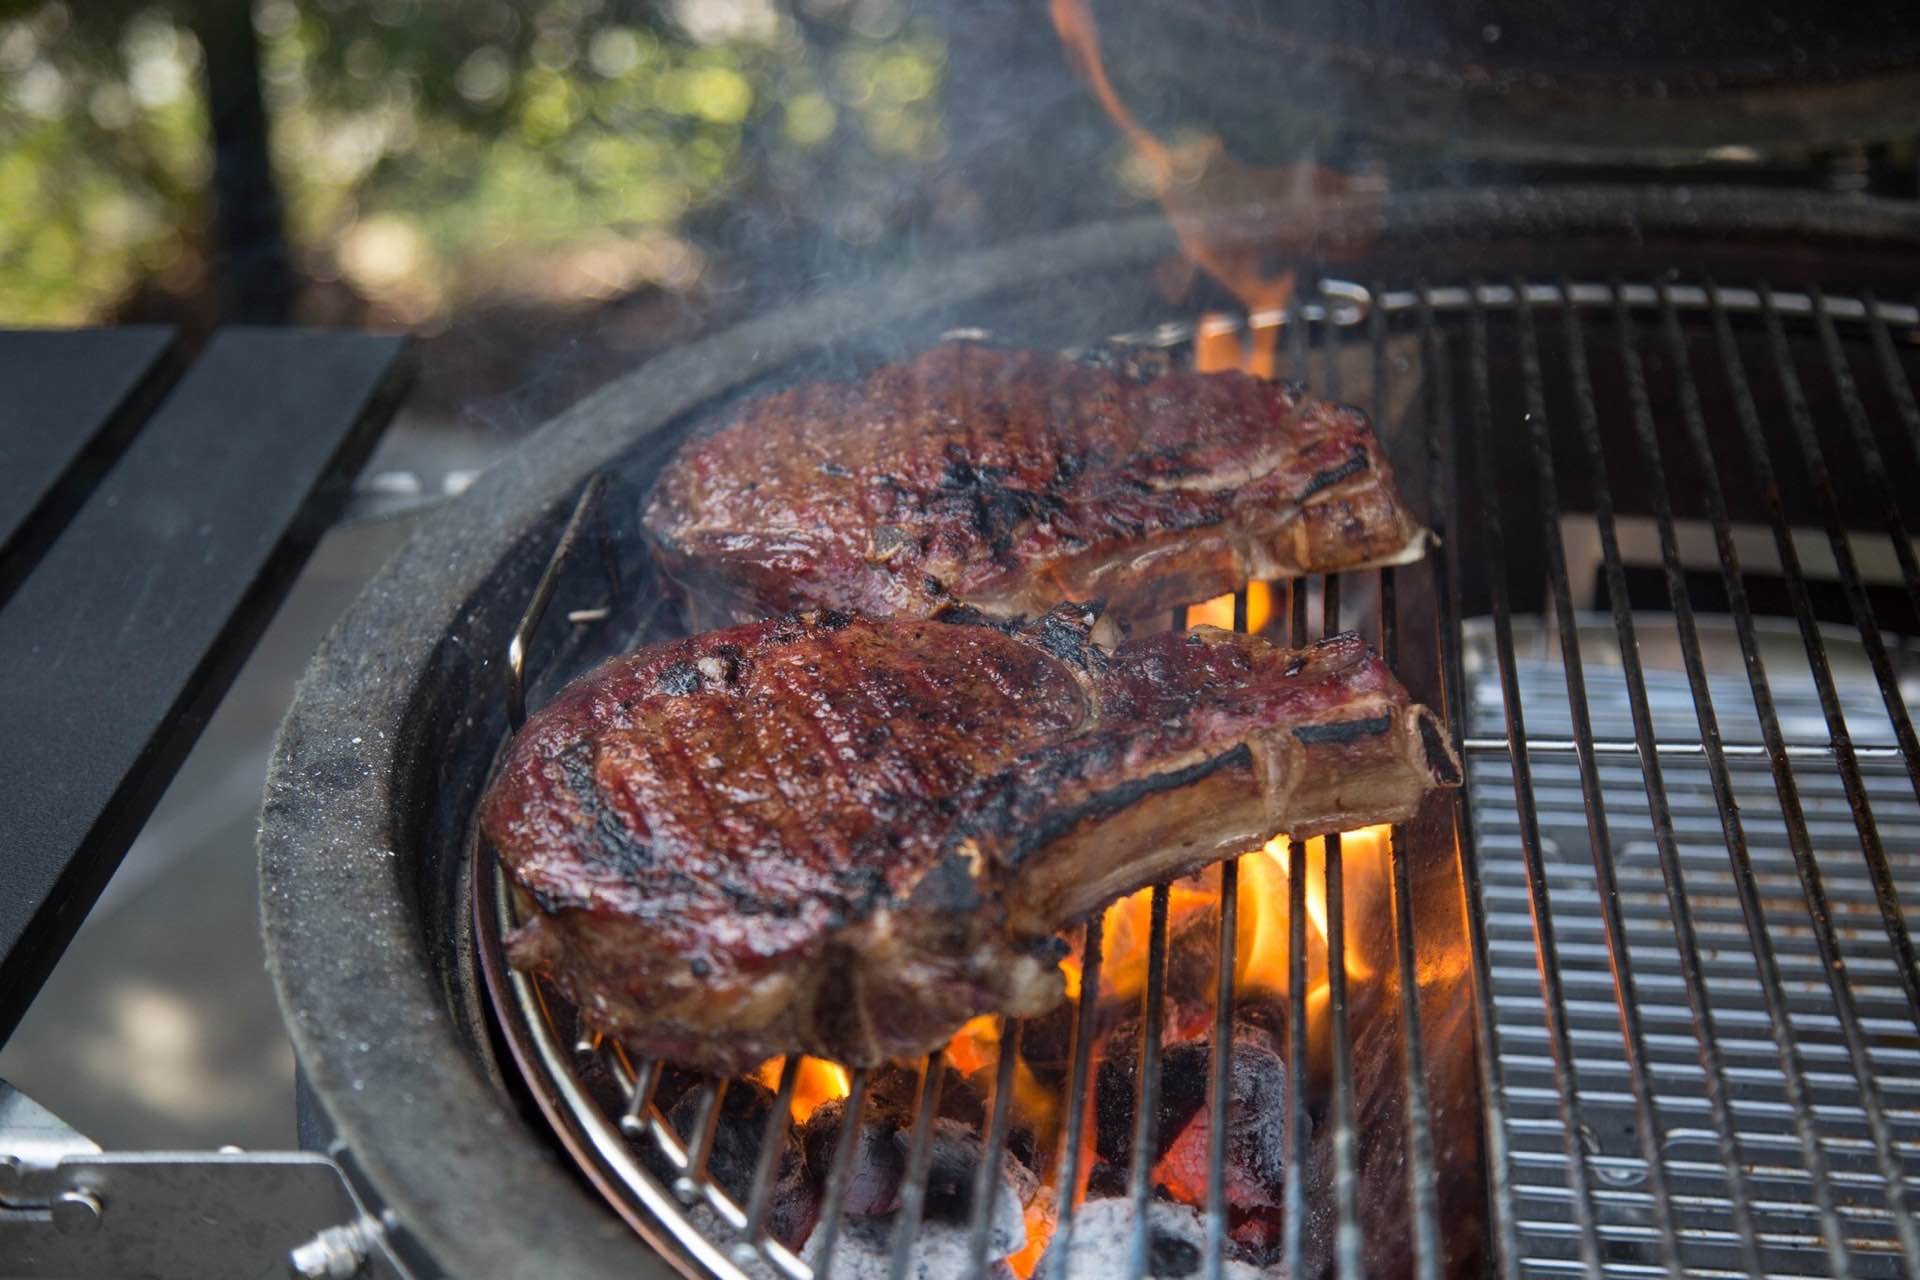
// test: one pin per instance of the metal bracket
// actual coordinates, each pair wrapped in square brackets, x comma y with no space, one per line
[536,610]
[68,1209]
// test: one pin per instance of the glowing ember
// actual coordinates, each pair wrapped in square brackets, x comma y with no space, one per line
[1040,1220]
[1218,612]
[818,1083]
[1217,343]
[975,1045]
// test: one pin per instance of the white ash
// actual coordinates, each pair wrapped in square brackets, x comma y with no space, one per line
[1102,1244]
[943,1247]
[864,1250]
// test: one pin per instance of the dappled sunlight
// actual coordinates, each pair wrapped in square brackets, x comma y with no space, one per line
[434,157]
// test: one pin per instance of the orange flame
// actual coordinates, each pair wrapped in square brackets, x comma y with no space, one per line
[817,1084]
[1363,867]
[1039,1217]
[1260,964]
[1218,612]
[1190,182]
[975,1049]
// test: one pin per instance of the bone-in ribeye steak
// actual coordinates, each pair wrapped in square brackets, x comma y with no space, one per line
[1011,480]
[845,837]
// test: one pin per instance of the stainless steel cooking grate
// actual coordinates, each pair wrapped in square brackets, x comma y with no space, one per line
[1684,842]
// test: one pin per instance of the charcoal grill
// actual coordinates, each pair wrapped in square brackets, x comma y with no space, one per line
[1680,887]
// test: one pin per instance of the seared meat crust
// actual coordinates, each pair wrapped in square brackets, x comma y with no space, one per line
[1011,480]
[845,837]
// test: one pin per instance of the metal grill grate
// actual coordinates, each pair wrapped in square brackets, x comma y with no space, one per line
[1682,848]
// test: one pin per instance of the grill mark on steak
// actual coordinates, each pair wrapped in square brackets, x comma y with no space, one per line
[1029,840]
[706,887]
[1010,480]
[616,845]
[1354,465]
[1343,731]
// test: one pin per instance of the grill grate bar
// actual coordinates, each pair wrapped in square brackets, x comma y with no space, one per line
[1501,745]
[1706,1030]
[1892,373]
[913,1187]
[1600,840]
[693,1180]
[1443,443]
[1687,941]
[840,1172]
[1085,1025]
[1820,911]
[633,1121]
[1347,1210]
[1297,335]
[1330,353]
[1146,1107]
[1855,413]
[986,1182]
[1870,638]
[1422,1174]
[1293,1226]
[1545,947]
[1347,1230]
[1219,1080]
[760,1195]
[1869,452]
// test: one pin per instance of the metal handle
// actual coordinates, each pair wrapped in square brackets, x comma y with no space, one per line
[543,594]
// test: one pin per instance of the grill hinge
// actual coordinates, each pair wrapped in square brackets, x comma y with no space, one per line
[69,1209]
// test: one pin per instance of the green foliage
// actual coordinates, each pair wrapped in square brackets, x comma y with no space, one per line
[102,154]
[435,152]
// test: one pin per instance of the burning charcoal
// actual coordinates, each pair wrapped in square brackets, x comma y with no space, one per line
[736,1155]
[794,1207]
[942,1246]
[1106,1179]
[865,1252]
[879,1159]
[896,1087]
[880,1166]
[955,1162]
[1046,1043]
[1256,1147]
[1102,1244]
[1183,1091]
[1193,954]
[675,1083]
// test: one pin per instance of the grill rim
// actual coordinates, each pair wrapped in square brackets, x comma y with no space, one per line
[372,1028]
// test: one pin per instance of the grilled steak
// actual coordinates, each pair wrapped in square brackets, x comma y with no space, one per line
[1011,480]
[846,837]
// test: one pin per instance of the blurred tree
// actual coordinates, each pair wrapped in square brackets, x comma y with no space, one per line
[435,155]
[103,157]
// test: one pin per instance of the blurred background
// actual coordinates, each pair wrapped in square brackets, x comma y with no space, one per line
[545,193]
[510,176]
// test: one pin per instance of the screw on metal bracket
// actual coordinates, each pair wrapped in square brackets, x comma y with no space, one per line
[77,1212]
[337,1253]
